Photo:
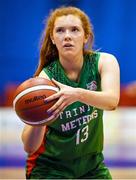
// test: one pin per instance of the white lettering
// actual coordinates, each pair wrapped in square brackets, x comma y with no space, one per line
[75,111]
[95,114]
[82,109]
[72,124]
[65,127]
[88,108]
[90,117]
[79,121]
[60,115]
[68,114]
[85,119]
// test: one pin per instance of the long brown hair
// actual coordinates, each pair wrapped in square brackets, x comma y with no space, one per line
[48,51]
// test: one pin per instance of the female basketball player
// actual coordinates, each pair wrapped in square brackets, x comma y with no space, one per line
[71,147]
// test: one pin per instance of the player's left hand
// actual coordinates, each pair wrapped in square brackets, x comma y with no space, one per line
[66,96]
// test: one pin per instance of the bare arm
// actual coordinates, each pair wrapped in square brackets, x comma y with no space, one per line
[107,99]
[32,136]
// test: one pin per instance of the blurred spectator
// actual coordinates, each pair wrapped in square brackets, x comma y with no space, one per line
[128,95]
[131,89]
[9,94]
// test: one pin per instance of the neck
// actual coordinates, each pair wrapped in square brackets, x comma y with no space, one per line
[72,66]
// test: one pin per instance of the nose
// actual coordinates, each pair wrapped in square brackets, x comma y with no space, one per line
[67,35]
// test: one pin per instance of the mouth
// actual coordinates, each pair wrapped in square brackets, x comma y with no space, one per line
[68,45]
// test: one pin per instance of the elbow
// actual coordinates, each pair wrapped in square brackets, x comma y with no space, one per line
[113,104]
[111,108]
[29,150]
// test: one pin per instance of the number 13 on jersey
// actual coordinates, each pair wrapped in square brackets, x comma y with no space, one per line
[82,135]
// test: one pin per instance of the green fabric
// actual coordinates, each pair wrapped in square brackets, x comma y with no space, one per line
[74,142]
[79,126]
[89,167]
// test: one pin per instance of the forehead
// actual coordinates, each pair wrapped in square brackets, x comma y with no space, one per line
[68,20]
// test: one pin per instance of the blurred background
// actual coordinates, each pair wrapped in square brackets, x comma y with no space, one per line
[21,25]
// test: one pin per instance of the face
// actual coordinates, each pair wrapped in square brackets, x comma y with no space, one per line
[68,35]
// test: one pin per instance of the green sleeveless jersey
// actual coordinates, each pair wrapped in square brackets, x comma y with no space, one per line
[78,131]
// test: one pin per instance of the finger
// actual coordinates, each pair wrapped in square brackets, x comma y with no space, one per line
[52,117]
[55,106]
[57,83]
[59,109]
[56,116]
[52,97]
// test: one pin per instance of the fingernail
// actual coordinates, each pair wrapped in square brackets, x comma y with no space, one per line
[45,101]
[49,113]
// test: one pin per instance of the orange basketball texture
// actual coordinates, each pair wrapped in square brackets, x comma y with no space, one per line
[29,100]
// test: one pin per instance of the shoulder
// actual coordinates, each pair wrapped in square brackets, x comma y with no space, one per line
[92,57]
[107,59]
[104,55]
[49,70]
[43,74]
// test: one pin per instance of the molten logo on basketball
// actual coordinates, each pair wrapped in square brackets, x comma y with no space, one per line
[35,98]
[29,100]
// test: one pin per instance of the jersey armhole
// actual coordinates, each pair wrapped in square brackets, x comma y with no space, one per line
[47,72]
[97,62]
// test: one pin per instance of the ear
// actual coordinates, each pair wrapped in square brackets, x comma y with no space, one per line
[86,39]
[53,42]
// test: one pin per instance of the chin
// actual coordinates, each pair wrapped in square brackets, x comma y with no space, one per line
[69,55]
[70,52]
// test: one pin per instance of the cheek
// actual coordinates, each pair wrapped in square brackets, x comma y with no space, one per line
[58,44]
[80,40]
[58,40]
[80,37]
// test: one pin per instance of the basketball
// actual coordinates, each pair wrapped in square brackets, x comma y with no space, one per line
[29,102]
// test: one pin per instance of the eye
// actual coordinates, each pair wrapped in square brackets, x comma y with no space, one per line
[60,29]
[74,29]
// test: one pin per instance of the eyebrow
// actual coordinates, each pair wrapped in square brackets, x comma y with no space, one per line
[77,26]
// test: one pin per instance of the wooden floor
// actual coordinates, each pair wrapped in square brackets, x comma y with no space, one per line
[120,173]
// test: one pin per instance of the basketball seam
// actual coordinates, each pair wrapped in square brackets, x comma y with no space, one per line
[39,122]
[31,89]
[30,108]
